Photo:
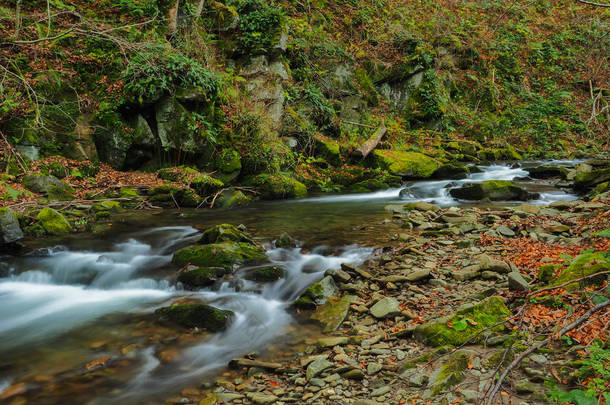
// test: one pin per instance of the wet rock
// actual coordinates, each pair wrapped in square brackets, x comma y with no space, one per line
[408,164]
[465,323]
[285,241]
[266,274]
[224,233]
[339,276]
[53,222]
[317,294]
[10,231]
[197,315]
[333,312]
[225,254]
[547,172]
[451,171]
[193,276]
[494,190]
[385,308]
[277,186]
[516,282]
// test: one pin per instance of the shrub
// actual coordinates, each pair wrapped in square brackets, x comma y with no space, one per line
[260,25]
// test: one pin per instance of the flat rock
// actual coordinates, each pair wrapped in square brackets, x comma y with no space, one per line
[385,308]
[316,367]
[516,282]
[259,398]
[505,231]
[418,275]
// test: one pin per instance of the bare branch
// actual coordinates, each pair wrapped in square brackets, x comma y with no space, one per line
[590,3]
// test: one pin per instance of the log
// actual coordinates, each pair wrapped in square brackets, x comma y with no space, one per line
[371,143]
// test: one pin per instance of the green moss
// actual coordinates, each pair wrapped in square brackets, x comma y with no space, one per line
[201,277]
[451,372]
[53,222]
[205,185]
[368,87]
[587,180]
[197,315]
[409,164]
[266,274]
[224,233]
[277,186]
[316,294]
[495,190]
[107,205]
[225,254]
[167,196]
[228,161]
[128,192]
[475,318]
[583,265]
[464,147]
[328,149]
[332,313]
[546,271]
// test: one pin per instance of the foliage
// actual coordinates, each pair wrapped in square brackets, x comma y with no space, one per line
[260,26]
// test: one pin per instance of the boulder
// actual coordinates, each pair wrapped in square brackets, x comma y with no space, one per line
[197,315]
[224,254]
[205,185]
[450,373]
[193,276]
[168,196]
[589,179]
[266,274]
[225,233]
[387,307]
[285,241]
[547,172]
[585,264]
[277,186]
[406,164]
[53,222]
[10,231]
[495,190]
[333,312]
[463,324]
[317,294]
[420,206]
[451,171]
[50,186]
[516,282]
[231,197]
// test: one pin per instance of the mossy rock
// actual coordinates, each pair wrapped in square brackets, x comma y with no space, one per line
[583,265]
[225,254]
[406,164]
[224,233]
[463,147]
[277,186]
[316,294]
[232,198]
[108,205]
[451,171]
[193,276]
[53,222]
[465,323]
[369,185]
[587,180]
[228,161]
[205,185]
[546,272]
[266,274]
[333,312]
[164,196]
[128,192]
[547,172]
[494,190]
[197,316]
[50,186]
[450,373]
[328,149]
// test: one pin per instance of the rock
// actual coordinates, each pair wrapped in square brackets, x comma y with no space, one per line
[354,374]
[231,197]
[526,387]
[266,274]
[338,275]
[224,254]
[385,308]
[466,323]
[556,227]
[377,392]
[193,276]
[418,275]
[486,262]
[589,179]
[333,312]
[332,341]
[317,294]
[495,190]
[516,282]
[467,273]
[53,222]
[373,368]
[316,367]
[451,171]
[420,206]
[328,149]
[415,377]
[365,402]
[583,265]
[205,185]
[449,374]
[407,164]
[197,315]
[285,241]
[224,233]
[546,272]
[50,186]
[259,398]
[505,231]
[529,208]
[547,172]
[277,186]
[10,231]
[168,196]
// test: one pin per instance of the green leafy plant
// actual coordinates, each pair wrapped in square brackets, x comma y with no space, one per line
[260,26]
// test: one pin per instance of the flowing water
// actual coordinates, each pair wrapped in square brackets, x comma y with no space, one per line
[92,297]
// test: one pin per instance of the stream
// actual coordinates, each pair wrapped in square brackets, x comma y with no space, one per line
[85,297]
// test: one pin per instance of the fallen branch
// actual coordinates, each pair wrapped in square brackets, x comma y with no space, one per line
[538,345]
[371,143]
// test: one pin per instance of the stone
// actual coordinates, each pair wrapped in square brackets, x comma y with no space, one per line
[316,367]
[386,308]
[486,262]
[583,265]
[50,186]
[332,341]
[232,197]
[467,273]
[224,254]
[197,315]
[526,387]
[193,276]
[494,190]
[415,377]
[317,294]
[505,231]
[418,275]
[266,274]
[354,374]
[407,164]
[421,206]
[377,392]
[10,231]
[259,398]
[557,228]
[53,222]
[333,312]
[277,186]
[285,241]
[449,374]
[339,276]
[516,282]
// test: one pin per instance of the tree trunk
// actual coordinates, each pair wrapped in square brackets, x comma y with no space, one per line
[172,18]
[199,9]
[17,19]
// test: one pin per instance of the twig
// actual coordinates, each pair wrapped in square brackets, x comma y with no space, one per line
[590,3]
[537,346]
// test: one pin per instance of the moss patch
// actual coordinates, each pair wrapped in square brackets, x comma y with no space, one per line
[277,186]
[409,164]
[224,233]
[225,254]
[266,274]
[201,277]
[197,315]
[53,222]
[583,265]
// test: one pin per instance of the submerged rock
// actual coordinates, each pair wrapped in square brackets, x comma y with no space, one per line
[495,190]
[197,315]
[53,222]
[225,254]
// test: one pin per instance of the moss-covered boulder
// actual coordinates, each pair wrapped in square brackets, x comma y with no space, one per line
[406,164]
[451,171]
[585,264]
[108,205]
[266,274]
[547,172]
[193,276]
[168,196]
[317,294]
[465,323]
[369,185]
[232,198]
[328,149]
[50,186]
[53,222]
[277,186]
[494,190]
[197,315]
[450,373]
[225,233]
[589,179]
[10,231]
[333,312]
[463,147]
[225,254]
[205,184]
